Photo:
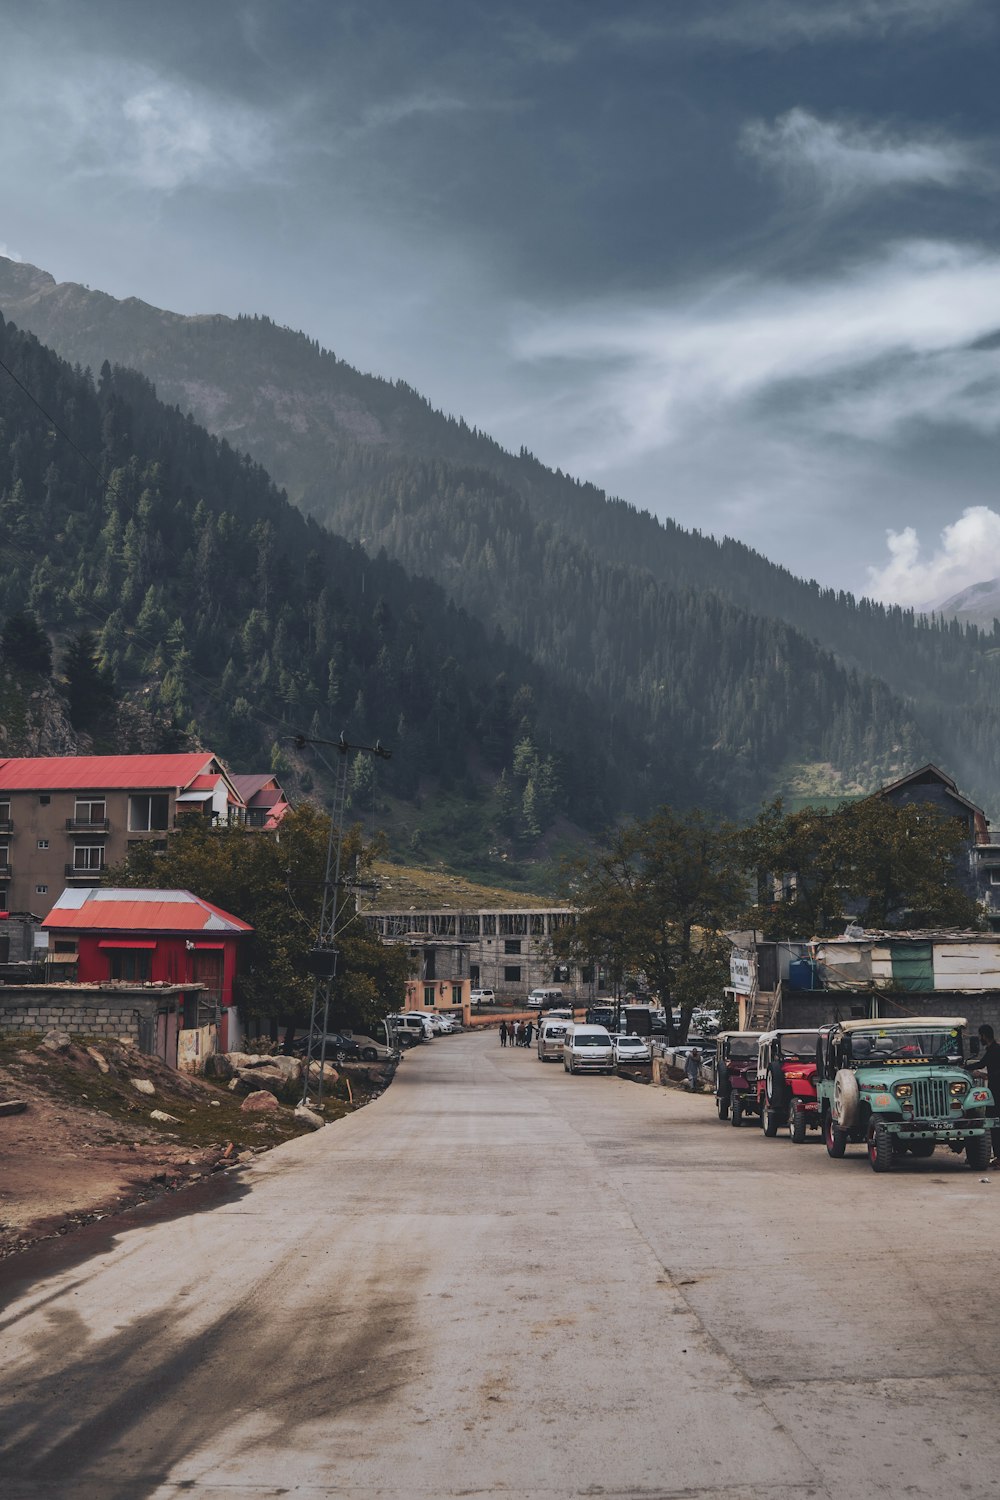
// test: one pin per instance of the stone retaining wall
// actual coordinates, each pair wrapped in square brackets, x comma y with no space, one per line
[41,1010]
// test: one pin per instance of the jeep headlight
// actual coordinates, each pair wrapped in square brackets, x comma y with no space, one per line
[959,1089]
[903,1090]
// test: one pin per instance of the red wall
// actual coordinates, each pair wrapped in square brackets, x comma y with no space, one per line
[172,962]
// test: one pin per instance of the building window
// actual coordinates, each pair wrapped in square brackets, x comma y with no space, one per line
[88,857]
[429,996]
[41,890]
[44,801]
[512,973]
[4,814]
[4,856]
[474,976]
[64,945]
[456,994]
[90,811]
[512,945]
[560,974]
[43,843]
[131,964]
[489,926]
[994,874]
[145,813]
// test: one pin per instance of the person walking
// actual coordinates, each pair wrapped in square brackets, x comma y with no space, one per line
[989,1063]
[503,1033]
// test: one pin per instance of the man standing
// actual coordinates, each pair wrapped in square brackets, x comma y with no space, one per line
[989,1063]
[503,1033]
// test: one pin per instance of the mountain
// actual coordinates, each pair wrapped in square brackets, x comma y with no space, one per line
[729,671]
[979,604]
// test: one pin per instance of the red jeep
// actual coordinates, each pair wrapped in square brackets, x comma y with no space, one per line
[736,1074]
[786,1082]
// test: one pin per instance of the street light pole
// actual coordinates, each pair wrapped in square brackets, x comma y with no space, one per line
[323,957]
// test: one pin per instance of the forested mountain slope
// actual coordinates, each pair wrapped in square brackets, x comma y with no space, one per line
[632,609]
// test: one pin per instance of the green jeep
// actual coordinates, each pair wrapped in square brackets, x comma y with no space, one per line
[902,1085]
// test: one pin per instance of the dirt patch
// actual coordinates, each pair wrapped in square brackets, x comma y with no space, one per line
[86,1146]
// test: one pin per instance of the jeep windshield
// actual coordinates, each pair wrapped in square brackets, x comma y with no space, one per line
[798,1046]
[742,1048]
[876,1047]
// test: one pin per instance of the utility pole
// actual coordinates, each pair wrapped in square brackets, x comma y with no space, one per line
[323,957]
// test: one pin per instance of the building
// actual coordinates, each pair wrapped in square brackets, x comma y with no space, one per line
[139,938]
[22,959]
[865,974]
[65,819]
[265,802]
[507,951]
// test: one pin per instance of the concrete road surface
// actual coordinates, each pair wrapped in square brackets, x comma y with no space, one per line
[502,1280]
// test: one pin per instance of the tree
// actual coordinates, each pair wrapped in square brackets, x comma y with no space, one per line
[25,646]
[277,888]
[90,688]
[655,901]
[870,861]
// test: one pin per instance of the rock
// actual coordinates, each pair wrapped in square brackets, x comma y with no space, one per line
[18,1106]
[143,1085]
[330,1076]
[159,1114]
[101,1061]
[57,1041]
[289,1067]
[309,1116]
[248,1080]
[219,1065]
[262,1102]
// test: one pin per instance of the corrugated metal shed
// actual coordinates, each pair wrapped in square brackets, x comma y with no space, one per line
[111,910]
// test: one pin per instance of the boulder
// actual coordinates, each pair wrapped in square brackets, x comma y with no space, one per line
[262,1102]
[219,1065]
[57,1041]
[99,1059]
[161,1115]
[18,1106]
[330,1076]
[143,1085]
[309,1117]
[248,1080]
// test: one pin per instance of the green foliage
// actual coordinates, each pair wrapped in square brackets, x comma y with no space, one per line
[89,687]
[885,866]
[277,888]
[24,645]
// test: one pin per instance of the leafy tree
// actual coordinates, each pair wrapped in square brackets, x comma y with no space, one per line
[25,646]
[655,900]
[277,888]
[881,865]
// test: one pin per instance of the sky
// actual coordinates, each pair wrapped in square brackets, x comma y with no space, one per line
[736,261]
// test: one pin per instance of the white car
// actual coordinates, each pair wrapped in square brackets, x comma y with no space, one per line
[448,1024]
[482,997]
[588,1049]
[629,1049]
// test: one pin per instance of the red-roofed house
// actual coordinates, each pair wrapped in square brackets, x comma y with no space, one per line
[65,818]
[266,803]
[140,937]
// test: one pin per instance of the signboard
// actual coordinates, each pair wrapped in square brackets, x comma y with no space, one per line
[740,973]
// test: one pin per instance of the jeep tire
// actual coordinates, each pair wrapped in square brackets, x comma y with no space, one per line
[722,1105]
[836,1139]
[776,1087]
[846,1099]
[736,1111]
[880,1152]
[978,1150]
[769,1120]
[796,1124]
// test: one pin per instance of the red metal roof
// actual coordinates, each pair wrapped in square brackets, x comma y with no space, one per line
[207,782]
[53,773]
[105,910]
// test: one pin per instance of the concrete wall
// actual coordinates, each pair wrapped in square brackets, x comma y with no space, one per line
[42,1009]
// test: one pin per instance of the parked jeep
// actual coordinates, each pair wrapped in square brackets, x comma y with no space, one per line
[786,1082]
[902,1085]
[736,1074]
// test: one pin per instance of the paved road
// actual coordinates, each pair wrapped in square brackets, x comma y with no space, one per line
[500,1280]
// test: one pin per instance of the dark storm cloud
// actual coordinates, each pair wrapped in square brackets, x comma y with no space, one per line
[737,261]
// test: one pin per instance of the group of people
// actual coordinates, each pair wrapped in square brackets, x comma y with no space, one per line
[517,1033]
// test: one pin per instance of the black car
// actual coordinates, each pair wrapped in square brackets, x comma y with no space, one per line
[339,1048]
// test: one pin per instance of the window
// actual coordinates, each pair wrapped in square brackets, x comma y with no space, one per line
[4,813]
[456,994]
[512,973]
[41,890]
[64,945]
[429,996]
[44,801]
[43,843]
[994,874]
[4,856]
[512,945]
[474,976]
[560,974]
[90,812]
[88,857]
[131,964]
[149,812]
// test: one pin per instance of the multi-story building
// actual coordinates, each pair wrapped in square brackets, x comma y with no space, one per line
[64,819]
[507,951]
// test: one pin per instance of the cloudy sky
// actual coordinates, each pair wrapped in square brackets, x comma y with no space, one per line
[735,260]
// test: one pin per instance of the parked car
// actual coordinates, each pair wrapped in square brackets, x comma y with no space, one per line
[902,1085]
[736,1074]
[786,1082]
[449,1024]
[411,1026]
[588,1049]
[551,1035]
[482,997]
[546,997]
[340,1047]
[632,1049]
[424,1018]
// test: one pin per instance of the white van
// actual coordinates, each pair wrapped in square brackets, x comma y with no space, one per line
[551,1035]
[588,1049]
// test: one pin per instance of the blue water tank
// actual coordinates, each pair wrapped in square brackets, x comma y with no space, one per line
[802,974]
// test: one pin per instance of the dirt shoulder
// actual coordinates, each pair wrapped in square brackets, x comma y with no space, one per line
[86,1144]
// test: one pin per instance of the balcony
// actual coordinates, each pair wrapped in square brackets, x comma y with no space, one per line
[81,825]
[6,825]
[91,876]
